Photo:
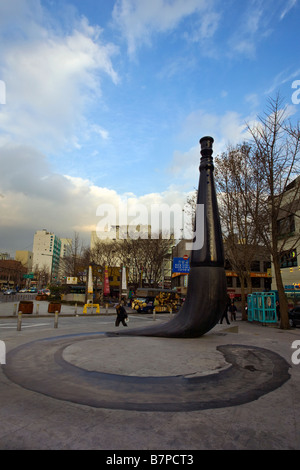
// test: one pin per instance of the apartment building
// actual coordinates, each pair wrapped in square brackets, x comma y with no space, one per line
[46,253]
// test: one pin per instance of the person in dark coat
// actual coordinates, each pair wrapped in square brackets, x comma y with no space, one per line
[232,310]
[121,315]
[225,313]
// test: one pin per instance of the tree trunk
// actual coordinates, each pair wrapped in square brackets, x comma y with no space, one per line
[283,304]
[244,315]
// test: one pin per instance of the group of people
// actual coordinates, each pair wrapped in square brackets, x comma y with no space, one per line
[122,316]
[231,308]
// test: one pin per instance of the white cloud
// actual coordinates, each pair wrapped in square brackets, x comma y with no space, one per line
[139,20]
[33,197]
[205,27]
[230,124]
[50,77]
[100,131]
[257,22]
[290,4]
[281,78]
[229,128]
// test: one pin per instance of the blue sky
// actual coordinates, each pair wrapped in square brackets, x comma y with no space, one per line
[108,99]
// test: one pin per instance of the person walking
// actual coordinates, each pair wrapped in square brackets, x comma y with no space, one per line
[121,315]
[225,315]
[232,310]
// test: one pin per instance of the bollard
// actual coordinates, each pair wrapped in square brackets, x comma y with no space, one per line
[19,326]
[15,309]
[37,309]
[106,306]
[75,308]
[56,320]
[154,315]
[171,311]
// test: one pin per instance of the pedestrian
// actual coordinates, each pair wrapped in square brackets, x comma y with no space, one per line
[225,315]
[232,310]
[121,315]
[277,310]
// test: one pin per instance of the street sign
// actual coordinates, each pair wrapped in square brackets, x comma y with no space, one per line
[28,276]
[181,265]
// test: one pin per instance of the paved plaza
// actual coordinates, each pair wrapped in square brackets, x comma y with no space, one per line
[81,386]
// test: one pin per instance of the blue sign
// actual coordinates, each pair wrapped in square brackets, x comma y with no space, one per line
[181,265]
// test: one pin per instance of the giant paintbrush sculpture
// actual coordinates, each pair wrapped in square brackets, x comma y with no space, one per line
[206,295]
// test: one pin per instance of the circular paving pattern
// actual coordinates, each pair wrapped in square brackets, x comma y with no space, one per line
[87,369]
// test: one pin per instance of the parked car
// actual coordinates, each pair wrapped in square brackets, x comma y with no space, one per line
[44,292]
[32,290]
[142,305]
[22,291]
[294,316]
[10,292]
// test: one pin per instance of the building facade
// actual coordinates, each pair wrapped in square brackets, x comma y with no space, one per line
[260,273]
[46,253]
[26,258]
[288,223]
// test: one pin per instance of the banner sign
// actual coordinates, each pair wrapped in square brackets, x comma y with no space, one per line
[106,289]
[90,281]
[124,279]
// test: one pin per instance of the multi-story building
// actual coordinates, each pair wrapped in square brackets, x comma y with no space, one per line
[66,247]
[65,256]
[4,256]
[26,258]
[118,233]
[289,240]
[46,253]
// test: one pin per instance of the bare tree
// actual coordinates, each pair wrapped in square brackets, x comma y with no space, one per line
[236,189]
[142,257]
[264,178]
[42,275]
[71,264]
[274,160]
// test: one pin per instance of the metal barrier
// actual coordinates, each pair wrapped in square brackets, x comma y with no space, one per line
[262,307]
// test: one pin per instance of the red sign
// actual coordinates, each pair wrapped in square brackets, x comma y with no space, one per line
[185,256]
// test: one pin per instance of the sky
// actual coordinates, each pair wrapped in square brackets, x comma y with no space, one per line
[104,101]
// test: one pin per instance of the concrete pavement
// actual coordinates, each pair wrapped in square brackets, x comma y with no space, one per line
[80,387]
